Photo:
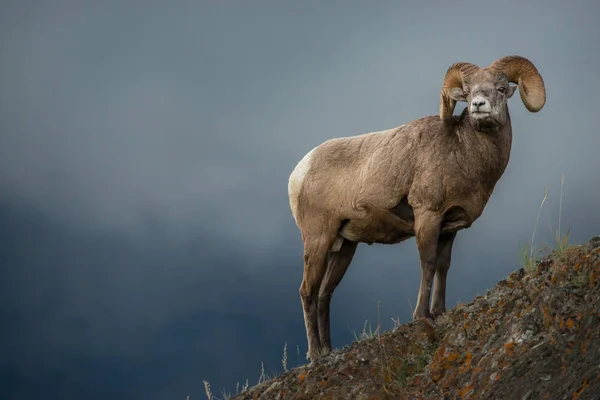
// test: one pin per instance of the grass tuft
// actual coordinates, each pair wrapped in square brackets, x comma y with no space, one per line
[263,377]
[284,358]
[527,250]
[207,390]
[562,241]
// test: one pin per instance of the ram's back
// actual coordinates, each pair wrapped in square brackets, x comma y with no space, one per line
[377,168]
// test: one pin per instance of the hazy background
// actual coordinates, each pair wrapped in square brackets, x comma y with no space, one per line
[145,147]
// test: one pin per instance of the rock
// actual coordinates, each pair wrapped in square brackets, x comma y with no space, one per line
[594,243]
[530,337]
[528,395]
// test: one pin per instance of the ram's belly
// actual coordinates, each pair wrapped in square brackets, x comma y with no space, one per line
[396,225]
[358,231]
[381,226]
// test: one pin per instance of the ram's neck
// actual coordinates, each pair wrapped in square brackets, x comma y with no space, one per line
[487,153]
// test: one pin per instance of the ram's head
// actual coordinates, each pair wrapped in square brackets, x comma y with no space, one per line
[487,90]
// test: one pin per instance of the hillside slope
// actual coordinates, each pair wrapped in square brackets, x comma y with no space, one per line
[535,335]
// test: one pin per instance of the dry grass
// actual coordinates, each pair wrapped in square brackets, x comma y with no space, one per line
[529,251]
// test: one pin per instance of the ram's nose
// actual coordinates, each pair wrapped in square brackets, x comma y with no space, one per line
[478,102]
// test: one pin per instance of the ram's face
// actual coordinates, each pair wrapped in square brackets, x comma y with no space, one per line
[486,94]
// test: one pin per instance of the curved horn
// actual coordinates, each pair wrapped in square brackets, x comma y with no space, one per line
[521,71]
[453,79]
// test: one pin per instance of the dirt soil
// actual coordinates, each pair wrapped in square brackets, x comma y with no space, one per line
[535,335]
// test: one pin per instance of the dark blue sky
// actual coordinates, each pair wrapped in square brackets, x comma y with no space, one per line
[145,147]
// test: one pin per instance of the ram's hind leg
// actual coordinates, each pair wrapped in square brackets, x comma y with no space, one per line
[317,243]
[337,266]
[444,255]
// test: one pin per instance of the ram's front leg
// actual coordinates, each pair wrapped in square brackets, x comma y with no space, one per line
[444,254]
[427,230]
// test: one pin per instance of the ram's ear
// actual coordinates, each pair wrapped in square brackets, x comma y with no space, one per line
[511,90]
[457,94]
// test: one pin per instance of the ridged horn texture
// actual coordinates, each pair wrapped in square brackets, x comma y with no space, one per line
[521,71]
[453,79]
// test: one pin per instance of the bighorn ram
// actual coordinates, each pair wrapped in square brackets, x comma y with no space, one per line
[428,178]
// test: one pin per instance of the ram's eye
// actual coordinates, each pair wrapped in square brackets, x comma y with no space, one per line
[502,89]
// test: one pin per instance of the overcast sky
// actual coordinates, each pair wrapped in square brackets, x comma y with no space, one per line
[145,148]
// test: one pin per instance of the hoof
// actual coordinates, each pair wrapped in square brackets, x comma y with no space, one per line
[311,357]
[314,356]
[426,315]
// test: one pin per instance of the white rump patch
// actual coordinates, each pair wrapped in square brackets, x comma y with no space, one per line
[299,173]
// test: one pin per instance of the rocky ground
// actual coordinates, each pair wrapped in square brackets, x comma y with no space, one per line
[535,335]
